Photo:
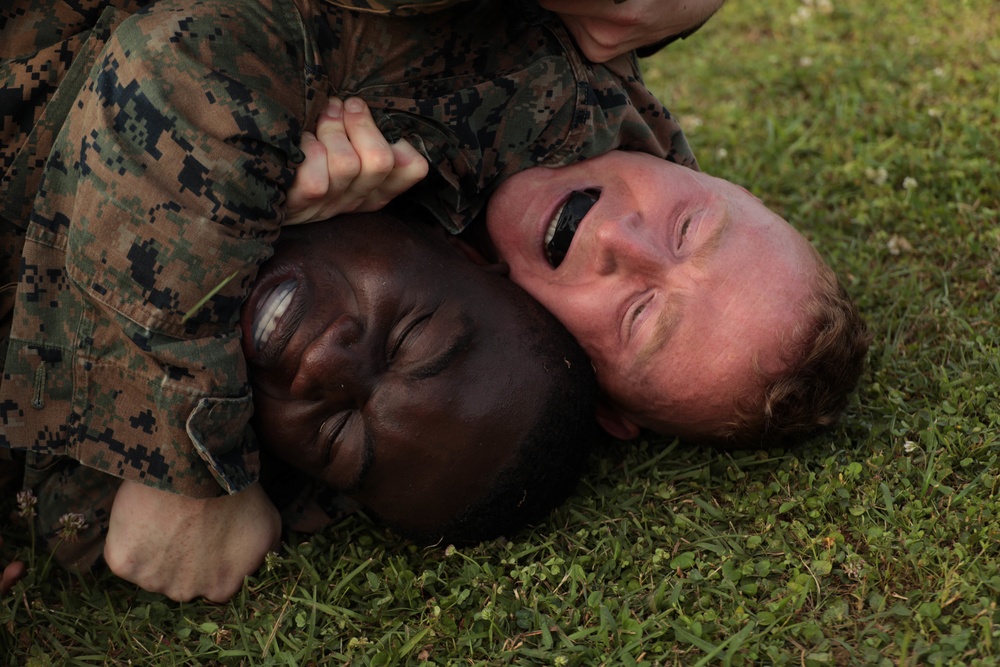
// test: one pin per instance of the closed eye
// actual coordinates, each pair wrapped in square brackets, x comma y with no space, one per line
[401,340]
[638,311]
[640,306]
[330,432]
[683,233]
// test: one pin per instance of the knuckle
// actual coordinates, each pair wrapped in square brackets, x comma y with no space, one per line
[606,37]
[379,160]
[217,597]
[597,53]
[346,167]
[420,169]
[114,560]
[313,187]
[179,594]
[120,562]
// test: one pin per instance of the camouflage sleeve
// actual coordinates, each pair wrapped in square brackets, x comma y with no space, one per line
[163,187]
[504,91]
[397,7]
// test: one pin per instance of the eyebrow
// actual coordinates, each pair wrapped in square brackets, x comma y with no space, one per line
[459,344]
[666,324]
[669,317]
[713,242]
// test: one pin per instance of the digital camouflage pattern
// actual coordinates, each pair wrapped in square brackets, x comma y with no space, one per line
[145,153]
[481,113]
[398,7]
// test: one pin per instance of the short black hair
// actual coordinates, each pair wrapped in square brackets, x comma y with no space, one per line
[550,458]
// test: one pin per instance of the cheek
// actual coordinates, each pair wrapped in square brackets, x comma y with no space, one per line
[578,308]
[590,321]
[277,429]
[506,240]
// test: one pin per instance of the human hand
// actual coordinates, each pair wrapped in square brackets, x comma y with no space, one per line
[604,29]
[14,571]
[189,547]
[349,166]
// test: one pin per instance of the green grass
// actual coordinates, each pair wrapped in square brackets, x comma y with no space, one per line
[874,128]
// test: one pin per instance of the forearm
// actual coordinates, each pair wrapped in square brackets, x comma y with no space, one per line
[185,146]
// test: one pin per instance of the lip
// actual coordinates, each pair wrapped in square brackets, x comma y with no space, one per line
[543,225]
[561,200]
[269,280]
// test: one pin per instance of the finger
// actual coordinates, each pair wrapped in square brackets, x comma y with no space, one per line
[11,575]
[410,168]
[372,148]
[598,40]
[225,588]
[342,160]
[312,182]
[182,593]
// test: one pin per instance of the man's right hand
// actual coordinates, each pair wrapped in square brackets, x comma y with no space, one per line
[189,547]
[349,166]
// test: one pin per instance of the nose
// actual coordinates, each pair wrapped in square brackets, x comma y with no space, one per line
[337,366]
[624,245]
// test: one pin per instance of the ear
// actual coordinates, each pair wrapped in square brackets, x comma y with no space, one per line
[615,423]
[476,257]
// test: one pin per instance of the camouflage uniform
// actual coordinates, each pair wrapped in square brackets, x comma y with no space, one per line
[398,7]
[145,155]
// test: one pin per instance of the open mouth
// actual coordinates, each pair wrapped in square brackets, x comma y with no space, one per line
[270,311]
[562,228]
